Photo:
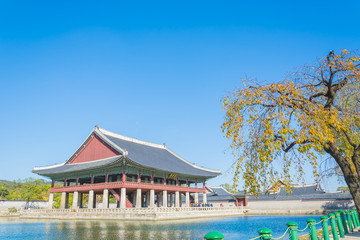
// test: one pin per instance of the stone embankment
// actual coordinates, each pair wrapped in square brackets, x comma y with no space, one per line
[135,213]
[7,213]
[288,212]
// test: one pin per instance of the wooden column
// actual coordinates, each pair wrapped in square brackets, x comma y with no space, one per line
[124,177]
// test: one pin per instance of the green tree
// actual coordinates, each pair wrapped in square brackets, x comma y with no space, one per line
[29,189]
[313,113]
[3,190]
[343,189]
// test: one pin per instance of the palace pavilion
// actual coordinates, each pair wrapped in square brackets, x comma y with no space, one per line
[137,173]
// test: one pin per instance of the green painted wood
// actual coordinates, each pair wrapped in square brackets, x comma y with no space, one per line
[293,230]
[339,224]
[312,229]
[325,227]
[349,221]
[265,234]
[213,236]
[333,226]
[343,221]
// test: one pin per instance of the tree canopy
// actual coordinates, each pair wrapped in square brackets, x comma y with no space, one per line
[276,128]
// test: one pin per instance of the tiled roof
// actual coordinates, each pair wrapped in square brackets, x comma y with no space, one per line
[155,156]
[61,168]
[147,154]
[217,194]
[309,192]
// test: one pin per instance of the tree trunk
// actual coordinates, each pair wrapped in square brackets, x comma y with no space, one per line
[350,177]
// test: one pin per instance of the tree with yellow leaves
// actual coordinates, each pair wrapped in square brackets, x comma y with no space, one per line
[275,129]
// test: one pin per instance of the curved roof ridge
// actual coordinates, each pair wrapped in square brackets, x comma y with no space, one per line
[77,166]
[305,185]
[107,140]
[104,138]
[135,140]
[99,160]
[49,167]
[221,187]
[191,164]
[74,164]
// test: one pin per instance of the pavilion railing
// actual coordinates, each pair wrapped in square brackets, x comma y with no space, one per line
[142,210]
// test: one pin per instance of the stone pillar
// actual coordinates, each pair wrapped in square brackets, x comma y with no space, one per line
[152,198]
[91,200]
[105,198]
[80,199]
[133,198]
[138,198]
[171,200]
[75,203]
[51,200]
[196,200]
[148,199]
[165,198]
[187,199]
[64,200]
[123,198]
[159,199]
[95,200]
[204,198]
[177,199]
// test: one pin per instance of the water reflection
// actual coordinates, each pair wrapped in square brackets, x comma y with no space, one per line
[231,227]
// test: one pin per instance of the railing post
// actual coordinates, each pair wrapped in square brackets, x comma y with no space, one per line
[312,228]
[353,218]
[349,221]
[325,227]
[343,220]
[338,222]
[333,226]
[357,217]
[293,230]
[265,234]
[213,236]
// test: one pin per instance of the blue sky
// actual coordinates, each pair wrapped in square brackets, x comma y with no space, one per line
[153,70]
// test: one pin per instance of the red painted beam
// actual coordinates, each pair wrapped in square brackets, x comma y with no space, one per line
[128,185]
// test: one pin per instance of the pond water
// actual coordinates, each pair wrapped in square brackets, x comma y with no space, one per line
[244,227]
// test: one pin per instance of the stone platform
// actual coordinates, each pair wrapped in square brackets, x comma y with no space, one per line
[146,214]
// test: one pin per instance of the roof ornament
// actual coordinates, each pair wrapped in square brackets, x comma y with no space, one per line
[97,126]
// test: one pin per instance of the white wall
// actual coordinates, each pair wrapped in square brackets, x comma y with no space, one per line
[5,204]
[301,205]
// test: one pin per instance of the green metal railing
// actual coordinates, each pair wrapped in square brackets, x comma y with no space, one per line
[341,223]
